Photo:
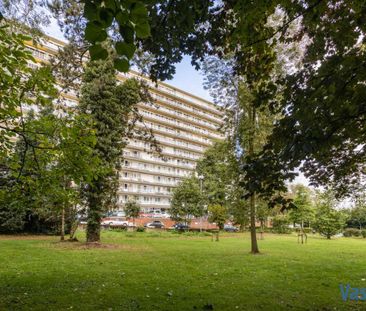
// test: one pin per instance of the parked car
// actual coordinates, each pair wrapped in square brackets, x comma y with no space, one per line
[165,215]
[155,224]
[230,228]
[156,214]
[115,222]
[181,227]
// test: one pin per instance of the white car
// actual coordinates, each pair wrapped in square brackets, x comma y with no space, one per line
[115,222]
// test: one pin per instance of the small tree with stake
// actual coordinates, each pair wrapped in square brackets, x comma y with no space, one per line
[218,214]
[132,210]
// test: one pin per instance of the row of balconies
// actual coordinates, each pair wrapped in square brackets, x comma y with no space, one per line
[174,132]
[145,191]
[154,116]
[152,169]
[157,160]
[185,107]
[185,116]
[165,151]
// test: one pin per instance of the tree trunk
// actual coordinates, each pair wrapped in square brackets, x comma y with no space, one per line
[253,233]
[62,236]
[94,215]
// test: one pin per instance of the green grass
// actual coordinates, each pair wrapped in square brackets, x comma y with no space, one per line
[165,271]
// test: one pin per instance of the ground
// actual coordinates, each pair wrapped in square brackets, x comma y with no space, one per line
[164,271]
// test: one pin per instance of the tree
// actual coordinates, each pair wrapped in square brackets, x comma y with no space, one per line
[248,128]
[186,201]
[280,223]
[218,214]
[219,169]
[328,221]
[357,214]
[132,210]
[43,147]
[109,105]
[303,211]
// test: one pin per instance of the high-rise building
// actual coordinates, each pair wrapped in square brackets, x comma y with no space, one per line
[184,125]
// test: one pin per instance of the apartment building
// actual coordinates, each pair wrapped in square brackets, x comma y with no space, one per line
[183,124]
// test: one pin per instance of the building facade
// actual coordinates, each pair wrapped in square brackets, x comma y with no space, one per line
[183,124]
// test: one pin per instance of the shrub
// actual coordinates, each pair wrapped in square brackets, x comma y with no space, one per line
[280,224]
[363,233]
[349,232]
[118,228]
[140,229]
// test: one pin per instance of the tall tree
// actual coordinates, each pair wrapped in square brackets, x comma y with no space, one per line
[111,106]
[248,127]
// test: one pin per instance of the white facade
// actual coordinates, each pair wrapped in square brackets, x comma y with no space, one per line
[184,126]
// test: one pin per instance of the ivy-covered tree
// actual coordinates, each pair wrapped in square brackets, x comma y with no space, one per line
[112,108]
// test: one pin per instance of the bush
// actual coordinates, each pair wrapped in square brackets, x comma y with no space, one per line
[12,219]
[349,232]
[280,224]
[363,233]
[140,229]
[118,228]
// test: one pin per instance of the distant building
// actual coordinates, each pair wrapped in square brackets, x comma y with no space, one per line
[183,124]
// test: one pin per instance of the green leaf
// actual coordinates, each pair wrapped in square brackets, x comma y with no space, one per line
[143,30]
[127,33]
[94,32]
[127,49]
[139,13]
[110,4]
[97,52]
[122,18]
[106,17]
[121,64]
[90,11]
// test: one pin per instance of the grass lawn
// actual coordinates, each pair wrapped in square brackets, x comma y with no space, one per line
[164,271]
